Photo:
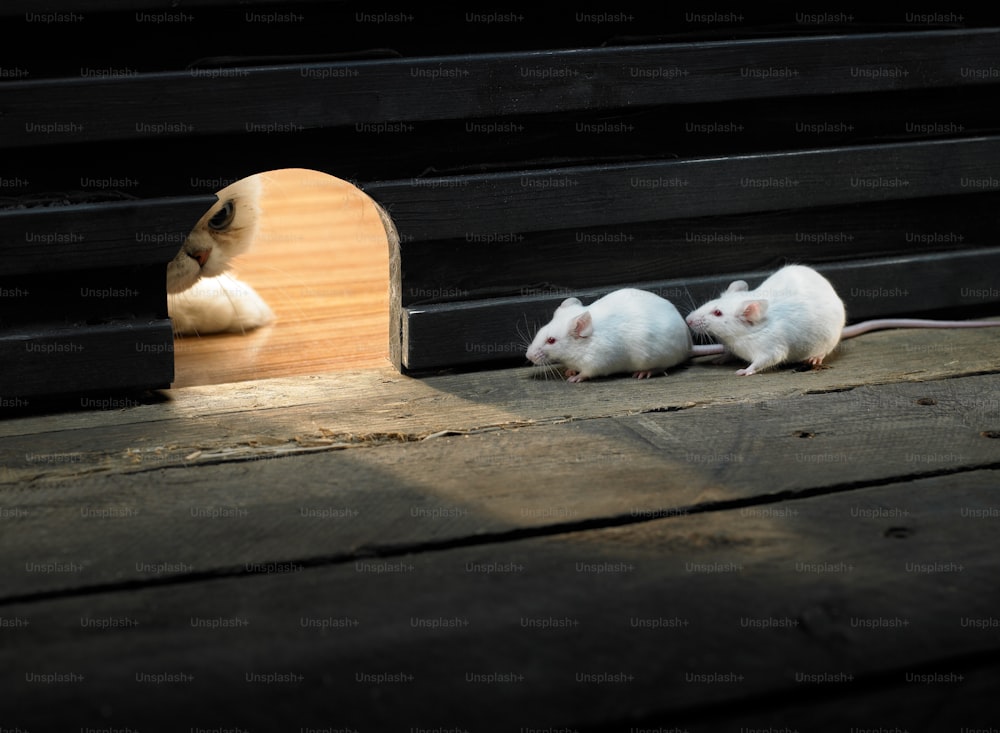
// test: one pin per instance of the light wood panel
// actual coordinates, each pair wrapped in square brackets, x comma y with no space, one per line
[321,262]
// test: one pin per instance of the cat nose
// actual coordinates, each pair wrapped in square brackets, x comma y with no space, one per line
[201,256]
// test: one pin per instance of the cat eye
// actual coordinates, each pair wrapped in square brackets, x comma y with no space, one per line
[223,217]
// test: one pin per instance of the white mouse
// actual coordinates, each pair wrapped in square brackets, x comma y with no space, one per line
[628,330]
[795,315]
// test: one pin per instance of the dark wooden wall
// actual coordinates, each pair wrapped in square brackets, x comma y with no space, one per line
[524,156]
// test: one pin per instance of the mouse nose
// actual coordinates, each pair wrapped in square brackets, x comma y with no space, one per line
[200,256]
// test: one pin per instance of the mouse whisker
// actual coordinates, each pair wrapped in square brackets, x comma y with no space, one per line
[549,371]
[689,301]
[526,336]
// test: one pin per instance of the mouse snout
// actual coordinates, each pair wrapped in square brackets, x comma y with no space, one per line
[698,323]
[535,355]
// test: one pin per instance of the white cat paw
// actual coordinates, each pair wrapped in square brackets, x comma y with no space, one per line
[218,305]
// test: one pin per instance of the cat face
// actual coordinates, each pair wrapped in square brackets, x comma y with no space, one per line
[226,230]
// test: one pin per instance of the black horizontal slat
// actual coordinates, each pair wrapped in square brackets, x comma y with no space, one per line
[23,7]
[59,298]
[495,330]
[486,208]
[124,355]
[96,235]
[425,150]
[387,92]
[584,258]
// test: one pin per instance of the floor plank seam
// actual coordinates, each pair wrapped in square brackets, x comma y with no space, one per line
[486,538]
[980,661]
[902,381]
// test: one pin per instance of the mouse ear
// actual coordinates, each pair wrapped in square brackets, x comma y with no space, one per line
[582,326]
[753,311]
[569,302]
[737,286]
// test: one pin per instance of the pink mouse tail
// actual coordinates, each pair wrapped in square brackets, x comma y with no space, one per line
[886,323]
[707,350]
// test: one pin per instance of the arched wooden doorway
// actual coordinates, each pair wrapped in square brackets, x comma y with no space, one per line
[320,260]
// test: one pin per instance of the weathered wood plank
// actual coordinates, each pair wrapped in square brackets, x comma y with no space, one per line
[268,417]
[495,329]
[271,417]
[160,521]
[888,587]
[476,86]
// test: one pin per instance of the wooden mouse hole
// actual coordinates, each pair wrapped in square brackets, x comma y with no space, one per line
[320,260]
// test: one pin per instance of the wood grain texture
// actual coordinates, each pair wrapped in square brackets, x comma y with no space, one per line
[581,629]
[385,493]
[285,417]
[321,261]
[717,547]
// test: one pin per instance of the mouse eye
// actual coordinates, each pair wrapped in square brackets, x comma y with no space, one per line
[223,217]
[717,313]
[550,340]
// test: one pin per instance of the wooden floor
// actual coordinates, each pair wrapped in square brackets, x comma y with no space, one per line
[497,552]
[321,261]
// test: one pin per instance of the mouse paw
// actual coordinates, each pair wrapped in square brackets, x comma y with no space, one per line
[815,361]
[745,372]
[577,378]
[643,375]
